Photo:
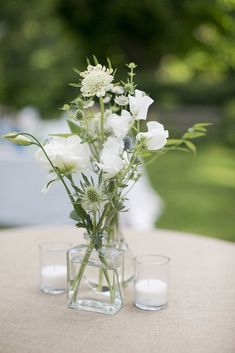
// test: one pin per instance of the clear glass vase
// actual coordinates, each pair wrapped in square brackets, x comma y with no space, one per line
[114,238]
[85,265]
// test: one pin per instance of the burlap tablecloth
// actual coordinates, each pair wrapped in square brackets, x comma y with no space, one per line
[200,317]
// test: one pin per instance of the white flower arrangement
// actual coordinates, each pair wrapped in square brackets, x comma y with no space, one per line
[106,147]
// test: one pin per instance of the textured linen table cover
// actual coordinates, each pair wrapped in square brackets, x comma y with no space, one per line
[200,316]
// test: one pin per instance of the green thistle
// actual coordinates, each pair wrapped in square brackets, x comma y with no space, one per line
[79,114]
[92,195]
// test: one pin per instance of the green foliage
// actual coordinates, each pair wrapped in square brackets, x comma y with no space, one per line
[185,50]
[36,55]
[198,191]
[74,127]
[197,130]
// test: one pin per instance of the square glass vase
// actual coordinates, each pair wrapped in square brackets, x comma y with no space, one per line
[94,279]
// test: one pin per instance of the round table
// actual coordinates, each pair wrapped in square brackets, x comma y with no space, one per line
[200,316]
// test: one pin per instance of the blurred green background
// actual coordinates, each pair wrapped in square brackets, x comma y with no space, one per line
[185,51]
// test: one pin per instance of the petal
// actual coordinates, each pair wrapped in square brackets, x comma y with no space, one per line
[154,125]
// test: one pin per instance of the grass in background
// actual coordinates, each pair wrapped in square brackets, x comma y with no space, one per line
[198,191]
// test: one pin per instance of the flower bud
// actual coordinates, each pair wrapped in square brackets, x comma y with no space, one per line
[79,114]
[18,139]
[92,194]
[66,107]
[79,103]
[129,87]
[132,65]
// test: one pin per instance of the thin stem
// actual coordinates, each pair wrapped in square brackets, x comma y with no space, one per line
[81,271]
[130,188]
[100,282]
[102,120]
[106,274]
[52,165]
[152,159]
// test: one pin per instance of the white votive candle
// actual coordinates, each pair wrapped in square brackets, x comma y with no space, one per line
[53,277]
[151,292]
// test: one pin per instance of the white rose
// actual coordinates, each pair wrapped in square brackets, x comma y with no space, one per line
[67,154]
[120,125]
[139,105]
[156,137]
[111,162]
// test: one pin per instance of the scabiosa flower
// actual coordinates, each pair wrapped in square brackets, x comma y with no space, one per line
[92,198]
[121,100]
[96,81]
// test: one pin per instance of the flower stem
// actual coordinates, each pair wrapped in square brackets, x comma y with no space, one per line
[106,274]
[100,282]
[81,271]
[52,165]
[102,120]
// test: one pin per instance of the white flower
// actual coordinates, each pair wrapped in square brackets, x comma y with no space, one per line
[93,125]
[111,162]
[120,125]
[117,89]
[156,137]
[96,81]
[88,104]
[139,105]
[107,99]
[67,154]
[121,100]
[94,122]
[92,199]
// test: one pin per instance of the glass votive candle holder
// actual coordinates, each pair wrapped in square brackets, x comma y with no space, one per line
[53,266]
[151,282]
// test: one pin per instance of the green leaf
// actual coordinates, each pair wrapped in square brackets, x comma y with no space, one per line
[75,99]
[95,60]
[193,135]
[181,149]
[83,215]
[61,135]
[74,127]
[86,179]
[100,178]
[173,142]
[73,215]
[80,225]
[77,71]
[74,84]
[50,182]
[109,63]
[202,125]
[190,146]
